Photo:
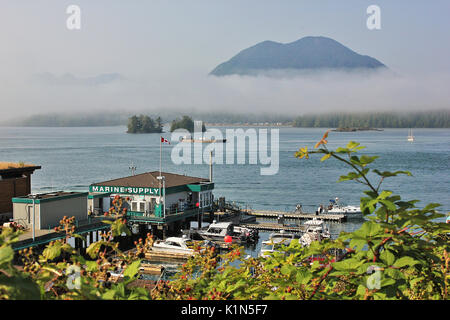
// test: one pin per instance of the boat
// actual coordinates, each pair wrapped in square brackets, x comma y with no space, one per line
[174,245]
[315,230]
[201,140]
[276,241]
[335,207]
[217,231]
[410,136]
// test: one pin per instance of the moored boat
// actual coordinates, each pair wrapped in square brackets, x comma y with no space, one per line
[174,245]
[336,207]
[315,231]
[202,140]
[218,231]
[276,241]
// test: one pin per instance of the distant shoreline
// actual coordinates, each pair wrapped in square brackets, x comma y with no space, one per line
[357,129]
[248,125]
[356,121]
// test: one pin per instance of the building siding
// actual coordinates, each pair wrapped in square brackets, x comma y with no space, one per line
[54,211]
[10,188]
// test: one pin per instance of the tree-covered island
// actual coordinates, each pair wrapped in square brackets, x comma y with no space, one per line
[185,123]
[144,124]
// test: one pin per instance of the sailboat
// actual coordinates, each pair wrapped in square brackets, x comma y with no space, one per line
[410,137]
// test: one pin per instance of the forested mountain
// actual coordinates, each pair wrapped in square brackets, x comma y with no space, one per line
[308,53]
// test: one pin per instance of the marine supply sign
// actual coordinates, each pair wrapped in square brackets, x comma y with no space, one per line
[125,190]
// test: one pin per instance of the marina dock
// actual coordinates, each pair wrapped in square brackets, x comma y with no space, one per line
[274,227]
[294,215]
[166,256]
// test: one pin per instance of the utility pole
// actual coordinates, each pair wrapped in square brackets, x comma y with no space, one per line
[210,167]
[33,196]
[164,193]
[133,168]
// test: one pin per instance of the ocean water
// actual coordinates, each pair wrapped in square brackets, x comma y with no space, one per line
[73,158]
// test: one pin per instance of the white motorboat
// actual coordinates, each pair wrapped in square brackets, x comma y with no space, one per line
[218,231]
[276,241]
[335,207]
[315,231]
[174,244]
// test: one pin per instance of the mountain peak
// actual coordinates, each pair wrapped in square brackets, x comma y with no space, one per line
[308,53]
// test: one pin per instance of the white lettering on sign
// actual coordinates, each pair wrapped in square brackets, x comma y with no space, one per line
[125,190]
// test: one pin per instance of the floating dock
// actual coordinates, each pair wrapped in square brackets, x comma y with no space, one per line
[274,227]
[167,256]
[299,216]
[152,269]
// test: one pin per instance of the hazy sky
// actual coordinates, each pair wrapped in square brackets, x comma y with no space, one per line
[164,50]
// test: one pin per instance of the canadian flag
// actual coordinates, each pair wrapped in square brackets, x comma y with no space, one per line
[164,140]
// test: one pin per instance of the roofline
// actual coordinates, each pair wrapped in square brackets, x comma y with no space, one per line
[21,169]
[27,199]
[149,172]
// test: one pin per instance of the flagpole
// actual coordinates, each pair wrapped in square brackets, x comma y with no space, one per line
[160,155]
[160,161]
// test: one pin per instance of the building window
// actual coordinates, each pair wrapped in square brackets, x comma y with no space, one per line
[142,206]
[134,206]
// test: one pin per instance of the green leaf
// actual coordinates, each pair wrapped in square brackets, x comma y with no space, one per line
[325,157]
[52,251]
[20,288]
[342,150]
[390,205]
[109,295]
[352,145]
[388,257]
[6,254]
[365,160]
[303,276]
[348,265]
[387,174]
[132,269]
[405,261]
[370,229]
[93,249]
[287,269]
[118,228]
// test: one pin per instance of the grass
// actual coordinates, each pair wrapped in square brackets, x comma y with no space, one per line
[13,165]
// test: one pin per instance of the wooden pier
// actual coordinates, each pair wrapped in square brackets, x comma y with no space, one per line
[167,256]
[300,216]
[153,269]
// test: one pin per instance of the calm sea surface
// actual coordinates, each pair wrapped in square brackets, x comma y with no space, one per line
[73,158]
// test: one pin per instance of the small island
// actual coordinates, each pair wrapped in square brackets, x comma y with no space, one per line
[185,123]
[144,124]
